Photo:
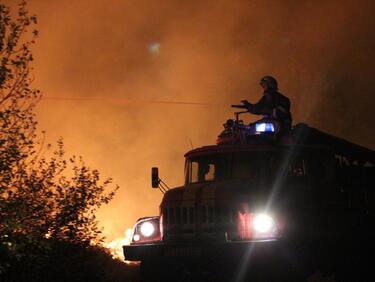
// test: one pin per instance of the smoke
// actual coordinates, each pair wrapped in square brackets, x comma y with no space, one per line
[111,58]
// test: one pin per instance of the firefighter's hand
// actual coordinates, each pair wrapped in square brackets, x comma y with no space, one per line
[245,103]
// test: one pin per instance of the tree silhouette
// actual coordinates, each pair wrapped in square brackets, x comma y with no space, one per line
[41,198]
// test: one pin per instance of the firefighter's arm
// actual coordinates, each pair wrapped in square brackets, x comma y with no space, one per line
[261,108]
[245,105]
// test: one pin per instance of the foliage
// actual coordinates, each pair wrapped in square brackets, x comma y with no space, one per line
[71,262]
[40,197]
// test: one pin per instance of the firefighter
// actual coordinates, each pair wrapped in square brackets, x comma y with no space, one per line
[273,104]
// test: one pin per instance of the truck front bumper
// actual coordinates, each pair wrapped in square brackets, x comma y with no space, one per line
[201,251]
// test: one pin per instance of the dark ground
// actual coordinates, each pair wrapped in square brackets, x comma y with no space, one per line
[64,262]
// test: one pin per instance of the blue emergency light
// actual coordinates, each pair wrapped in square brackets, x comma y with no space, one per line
[264,127]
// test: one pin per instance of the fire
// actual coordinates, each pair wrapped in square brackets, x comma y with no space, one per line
[115,246]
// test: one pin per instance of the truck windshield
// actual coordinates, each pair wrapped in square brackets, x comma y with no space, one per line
[218,167]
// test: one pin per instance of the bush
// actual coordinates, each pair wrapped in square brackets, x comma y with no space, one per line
[63,261]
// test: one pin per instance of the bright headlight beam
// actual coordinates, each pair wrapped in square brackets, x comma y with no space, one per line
[147,229]
[263,223]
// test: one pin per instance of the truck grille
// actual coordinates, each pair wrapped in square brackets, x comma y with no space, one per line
[180,217]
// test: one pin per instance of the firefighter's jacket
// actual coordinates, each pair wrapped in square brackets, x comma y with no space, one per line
[273,104]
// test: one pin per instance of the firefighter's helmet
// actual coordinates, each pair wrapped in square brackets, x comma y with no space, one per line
[270,81]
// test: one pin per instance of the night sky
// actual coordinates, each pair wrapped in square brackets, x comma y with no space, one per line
[101,65]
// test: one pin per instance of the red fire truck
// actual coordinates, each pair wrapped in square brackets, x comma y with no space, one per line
[275,207]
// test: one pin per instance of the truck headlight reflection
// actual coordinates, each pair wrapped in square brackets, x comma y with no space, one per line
[147,229]
[263,223]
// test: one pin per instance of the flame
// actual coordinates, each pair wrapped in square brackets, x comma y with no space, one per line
[115,246]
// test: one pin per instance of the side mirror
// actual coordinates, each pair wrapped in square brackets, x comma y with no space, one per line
[155,177]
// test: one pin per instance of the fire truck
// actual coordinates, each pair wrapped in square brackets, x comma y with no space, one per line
[263,204]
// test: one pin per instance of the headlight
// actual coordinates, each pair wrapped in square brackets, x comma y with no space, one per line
[147,229]
[263,223]
[256,226]
[136,238]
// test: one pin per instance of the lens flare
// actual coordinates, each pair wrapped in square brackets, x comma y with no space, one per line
[154,48]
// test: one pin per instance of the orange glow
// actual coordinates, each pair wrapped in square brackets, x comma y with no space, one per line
[126,106]
[115,246]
